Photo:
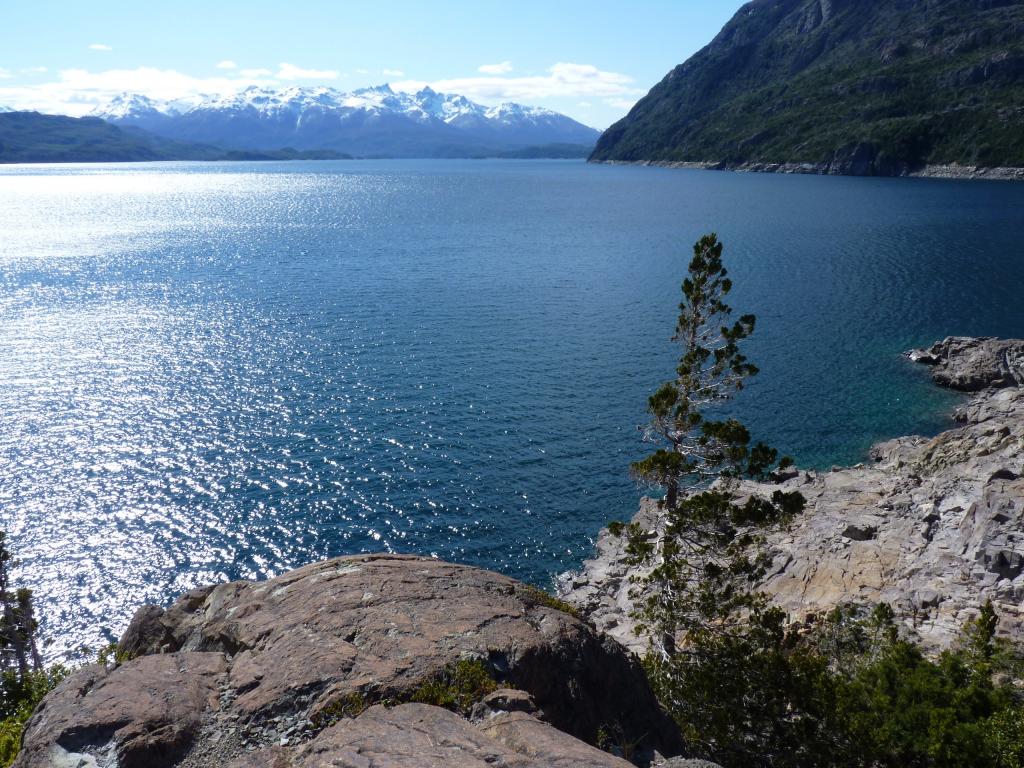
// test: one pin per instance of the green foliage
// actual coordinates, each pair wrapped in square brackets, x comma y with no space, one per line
[23,679]
[19,696]
[846,692]
[1004,735]
[458,687]
[711,369]
[707,561]
[748,696]
[112,654]
[897,84]
[534,596]
[746,687]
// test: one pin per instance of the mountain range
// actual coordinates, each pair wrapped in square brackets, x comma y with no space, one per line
[866,87]
[369,122]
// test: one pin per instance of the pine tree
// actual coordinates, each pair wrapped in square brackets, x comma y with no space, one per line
[18,648]
[706,560]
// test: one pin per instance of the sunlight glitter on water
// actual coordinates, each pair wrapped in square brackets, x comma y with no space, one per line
[226,370]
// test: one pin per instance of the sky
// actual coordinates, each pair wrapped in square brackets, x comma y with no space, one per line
[591,60]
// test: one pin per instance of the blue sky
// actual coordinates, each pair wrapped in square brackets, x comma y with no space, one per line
[591,60]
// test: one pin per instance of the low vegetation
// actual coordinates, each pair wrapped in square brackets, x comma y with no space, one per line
[458,687]
[534,596]
[23,679]
[746,686]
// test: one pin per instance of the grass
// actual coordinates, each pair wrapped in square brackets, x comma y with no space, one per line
[533,596]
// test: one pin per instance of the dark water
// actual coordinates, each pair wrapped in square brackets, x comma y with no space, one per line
[222,371]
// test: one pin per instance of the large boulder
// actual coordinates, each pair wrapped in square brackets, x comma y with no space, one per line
[422,736]
[971,364]
[295,670]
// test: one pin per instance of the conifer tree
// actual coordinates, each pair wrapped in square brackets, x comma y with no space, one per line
[705,562]
[18,649]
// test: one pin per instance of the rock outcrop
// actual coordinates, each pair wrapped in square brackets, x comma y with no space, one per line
[932,526]
[334,664]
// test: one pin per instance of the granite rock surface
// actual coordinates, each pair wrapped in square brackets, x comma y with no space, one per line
[932,526]
[322,666]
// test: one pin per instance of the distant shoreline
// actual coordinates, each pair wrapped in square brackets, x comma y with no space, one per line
[948,171]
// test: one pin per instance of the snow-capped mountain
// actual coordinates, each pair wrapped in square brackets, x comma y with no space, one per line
[5,109]
[368,121]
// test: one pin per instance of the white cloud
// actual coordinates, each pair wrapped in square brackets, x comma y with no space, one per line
[362,71]
[226,64]
[496,69]
[292,72]
[392,73]
[100,47]
[78,91]
[5,74]
[33,70]
[562,80]
[255,73]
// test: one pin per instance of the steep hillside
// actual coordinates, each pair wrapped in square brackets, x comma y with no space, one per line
[848,86]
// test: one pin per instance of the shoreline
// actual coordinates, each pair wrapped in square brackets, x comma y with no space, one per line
[931,526]
[938,171]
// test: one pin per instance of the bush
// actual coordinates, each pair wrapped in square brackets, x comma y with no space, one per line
[18,698]
[458,687]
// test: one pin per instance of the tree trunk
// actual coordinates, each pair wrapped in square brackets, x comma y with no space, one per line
[671,495]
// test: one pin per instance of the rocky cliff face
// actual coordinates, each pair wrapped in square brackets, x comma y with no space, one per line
[341,663]
[932,526]
[857,87]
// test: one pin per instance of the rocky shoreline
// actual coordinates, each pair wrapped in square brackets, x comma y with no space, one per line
[948,171]
[932,526]
[396,661]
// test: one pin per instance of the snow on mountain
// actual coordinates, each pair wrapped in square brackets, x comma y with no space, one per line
[128,106]
[373,121]
[5,109]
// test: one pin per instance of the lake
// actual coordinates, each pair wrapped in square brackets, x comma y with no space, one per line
[219,371]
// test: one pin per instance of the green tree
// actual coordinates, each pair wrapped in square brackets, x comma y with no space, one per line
[720,657]
[706,560]
[23,680]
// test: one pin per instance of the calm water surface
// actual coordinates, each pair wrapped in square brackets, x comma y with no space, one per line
[222,371]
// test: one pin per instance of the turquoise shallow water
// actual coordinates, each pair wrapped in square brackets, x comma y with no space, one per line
[222,371]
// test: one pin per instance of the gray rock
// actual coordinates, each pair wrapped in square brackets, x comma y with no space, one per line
[972,364]
[934,526]
[422,736]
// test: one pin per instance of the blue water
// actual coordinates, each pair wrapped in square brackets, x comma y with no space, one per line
[222,371]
